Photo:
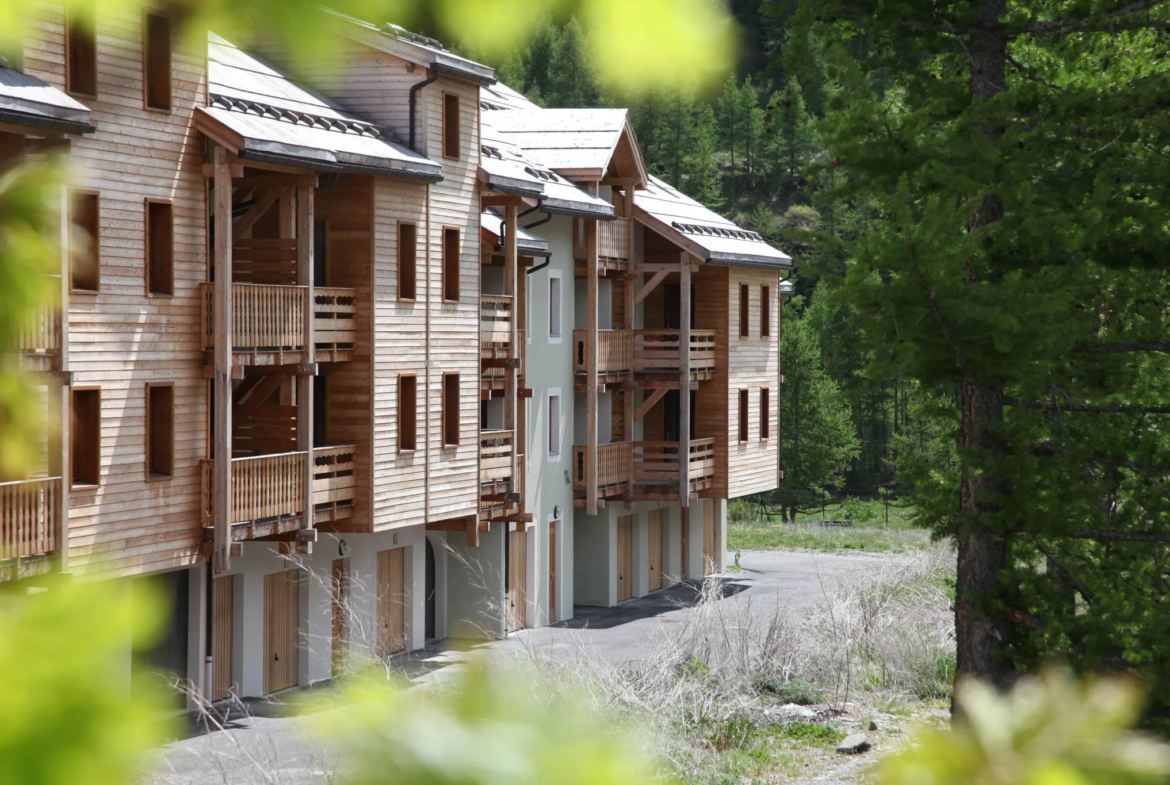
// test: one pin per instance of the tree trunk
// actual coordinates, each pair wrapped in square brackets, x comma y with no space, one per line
[982,633]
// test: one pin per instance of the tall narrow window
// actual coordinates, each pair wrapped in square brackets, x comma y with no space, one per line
[554,426]
[160,248]
[407,413]
[743,415]
[407,265]
[765,311]
[84,254]
[156,62]
[450,126]
[554,306]
[451,265]
[744,311]
[81,48]
[86,437]
[450,409]
[160,431]
[765,413]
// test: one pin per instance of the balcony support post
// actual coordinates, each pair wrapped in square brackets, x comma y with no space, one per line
[630,286]
[684,385]
[222,478]
[304,235]
[61,395]
[592,346]
[511,265]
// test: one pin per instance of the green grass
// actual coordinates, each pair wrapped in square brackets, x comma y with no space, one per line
[862,513]
[764,536]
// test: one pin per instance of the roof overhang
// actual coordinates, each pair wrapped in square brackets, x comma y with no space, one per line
[695,249]
[511,185]
[315,158]
[745,260]
[41,122]
[576,209]
[437,60]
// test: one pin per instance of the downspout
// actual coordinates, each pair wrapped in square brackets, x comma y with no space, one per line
[414,102]
[546,219]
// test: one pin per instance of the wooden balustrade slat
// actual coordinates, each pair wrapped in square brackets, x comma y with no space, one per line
[613,239]
[29,521]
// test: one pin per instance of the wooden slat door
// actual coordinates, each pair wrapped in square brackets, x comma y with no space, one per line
[341,598]
[552,571]
[281,615]
[654,549]
[517,580]
[221,638]
[706,506]
[391,602]
[625,558]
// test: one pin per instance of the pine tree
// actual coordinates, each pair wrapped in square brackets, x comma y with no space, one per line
[702,179]
[571,81]
[1013,152]
[793,136]
[730,121]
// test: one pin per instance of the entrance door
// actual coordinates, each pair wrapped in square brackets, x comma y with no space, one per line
[552,571]
[625,558]
[517,579]
[281,615]
[429,606]
[391,602]
[341,599]
[707,510]
[654,549]
[221,638]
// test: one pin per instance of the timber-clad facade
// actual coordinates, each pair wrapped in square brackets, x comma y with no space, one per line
[374,356]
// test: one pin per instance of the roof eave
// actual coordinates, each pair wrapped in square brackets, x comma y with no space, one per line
[512,186]
[39,121]
[747,260]
[577,209]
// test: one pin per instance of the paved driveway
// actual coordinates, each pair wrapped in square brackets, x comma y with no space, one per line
[273,749]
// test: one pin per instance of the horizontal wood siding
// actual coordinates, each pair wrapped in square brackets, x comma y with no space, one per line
[120,339]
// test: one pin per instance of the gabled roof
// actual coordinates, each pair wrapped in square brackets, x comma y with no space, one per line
[574,142]
[702,232]
[500,96]
[527,243]
[506,168]
[415,48]
[26,100]
[265,116]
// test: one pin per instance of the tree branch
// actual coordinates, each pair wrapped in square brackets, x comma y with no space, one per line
[1101,535]
[1095,408]
[1119,348]
[1093,24]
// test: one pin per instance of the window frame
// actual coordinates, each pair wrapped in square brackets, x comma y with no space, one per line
[446,278]
[71,24]
[765,413]
[148,256]
[413,226]
[447,143]
[401,419]
[745,311]
[151,474]
[555,425]
[446,413]
[73,436]
[765,311]
[95,239]
[745,402]
[559,336]
[147,14]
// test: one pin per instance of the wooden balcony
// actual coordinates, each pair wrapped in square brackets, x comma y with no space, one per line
[268,323]
[613,240]
[501,493]
[646,352]
[653,467]
[268,491]
[30,526]
[39,340]
[495,319]
[495,337]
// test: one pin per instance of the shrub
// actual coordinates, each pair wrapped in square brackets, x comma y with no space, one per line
[741,511]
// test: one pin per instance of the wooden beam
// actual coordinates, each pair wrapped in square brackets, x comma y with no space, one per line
[237,170]
[256,397]
[591,351]
[305,226]
[500,362]
[648,404]
[684,393]
[472,524]
[222,317]
[257,211]
[511,267]
[651,285]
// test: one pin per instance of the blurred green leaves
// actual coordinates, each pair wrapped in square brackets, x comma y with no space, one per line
[1050,730]
[67,713]
[481,728]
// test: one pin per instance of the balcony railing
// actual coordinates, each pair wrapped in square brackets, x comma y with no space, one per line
[334,482]
[644,351]
[613,240]
[495,319]
[30,520]
[654,466]
[268,321]
[41,333]
[495,456]
[268,491]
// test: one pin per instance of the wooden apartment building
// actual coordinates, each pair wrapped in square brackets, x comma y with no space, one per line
[304,354]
